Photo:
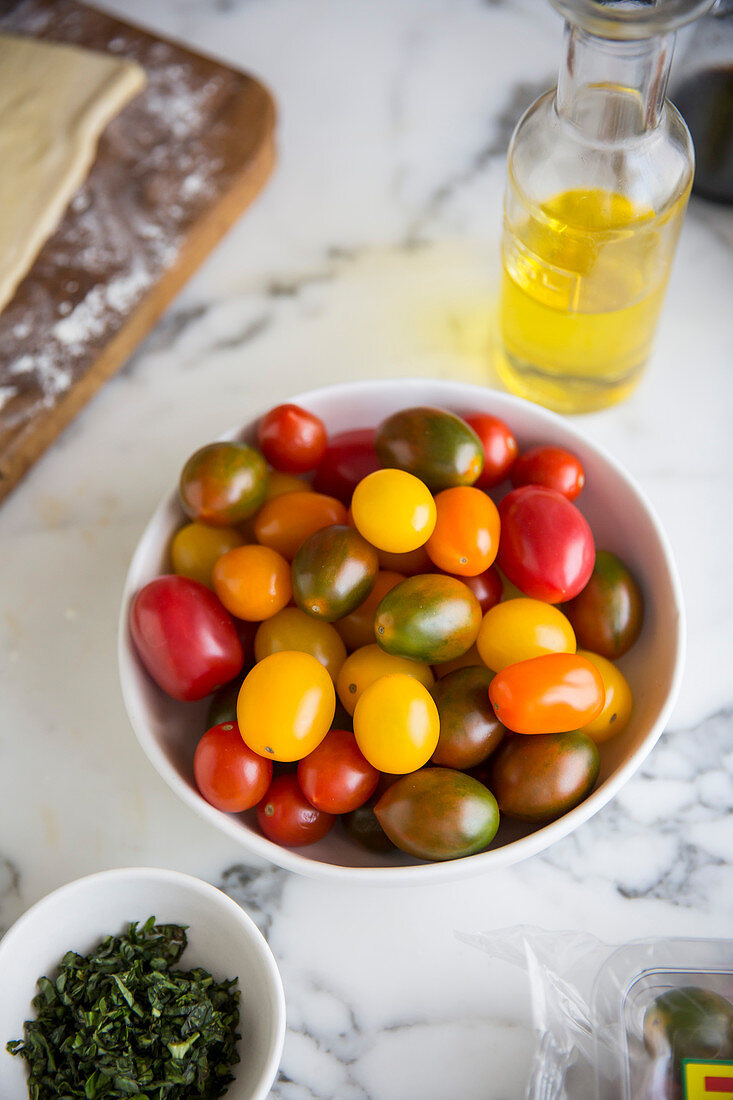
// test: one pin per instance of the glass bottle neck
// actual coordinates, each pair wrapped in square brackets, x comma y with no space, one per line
[613,90]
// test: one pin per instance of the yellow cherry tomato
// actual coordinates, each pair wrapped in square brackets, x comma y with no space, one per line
[396,724]
[357,629]
[196,549]
[393,510]
[253,582]
[617,707]
[285,706]
[466,660]
[368,664]
[517,630]
[292,629]
[280,483]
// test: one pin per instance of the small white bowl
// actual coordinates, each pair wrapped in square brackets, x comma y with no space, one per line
[622,520]
[221,938]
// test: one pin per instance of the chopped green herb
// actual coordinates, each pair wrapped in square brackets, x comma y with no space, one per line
[122,1022]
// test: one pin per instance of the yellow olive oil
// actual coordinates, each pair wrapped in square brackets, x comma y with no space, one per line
[584,276]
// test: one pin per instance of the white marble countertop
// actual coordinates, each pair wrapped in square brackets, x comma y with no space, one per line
[373,252]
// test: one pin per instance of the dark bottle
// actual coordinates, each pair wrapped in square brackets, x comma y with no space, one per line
[703,94]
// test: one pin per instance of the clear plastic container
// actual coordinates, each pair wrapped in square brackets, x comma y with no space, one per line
[648,1020]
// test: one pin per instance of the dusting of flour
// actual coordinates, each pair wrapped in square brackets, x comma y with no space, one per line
[157,168]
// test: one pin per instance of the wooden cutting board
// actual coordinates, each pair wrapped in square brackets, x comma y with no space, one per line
[174,171]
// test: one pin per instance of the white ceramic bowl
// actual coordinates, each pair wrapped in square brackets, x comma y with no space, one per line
[622,520]
[221,938]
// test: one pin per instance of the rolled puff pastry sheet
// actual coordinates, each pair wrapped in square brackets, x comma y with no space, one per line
[55,101]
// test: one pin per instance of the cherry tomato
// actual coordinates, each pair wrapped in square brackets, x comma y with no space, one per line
[286,706]
[617,704]
[357,629]
[279,483]
[410,564]
[466,660]
[555,693]
[292,629]
[196,548]
[349,457]
[229,775]
[368,664]
[500,448]
[223,484]
[286,522]
[466,536]
[552,467]
[546,546]
[393,510]
[608,614]
[487,587]
[336,777]
[184,637]
[287,817]
[292,439]
[517,630]
[396,724]
[253,582]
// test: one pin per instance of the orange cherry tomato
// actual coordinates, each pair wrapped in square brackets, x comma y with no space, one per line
[279,483]
[357,629]
[286,521]
[253,582]
[466,535]
[555,693]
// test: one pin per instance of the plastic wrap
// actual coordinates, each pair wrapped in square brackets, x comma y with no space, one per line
[647,1020]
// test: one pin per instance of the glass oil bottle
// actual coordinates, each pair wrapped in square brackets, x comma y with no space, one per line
[599,173]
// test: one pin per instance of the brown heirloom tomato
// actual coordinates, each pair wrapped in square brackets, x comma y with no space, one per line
[550,694]
[429,618]
[223,484]
[434,445]
[541,778]
[361,826]
[469,729]
[333,572]
[608,614]
[286,521]
[438,813]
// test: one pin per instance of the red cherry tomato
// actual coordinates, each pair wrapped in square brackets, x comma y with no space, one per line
[229,775]
[286,816]
[552,467]
[487,587]
[336,776]
[292,439]
[349,457]
[500,448]
[546,546]
[184,637]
